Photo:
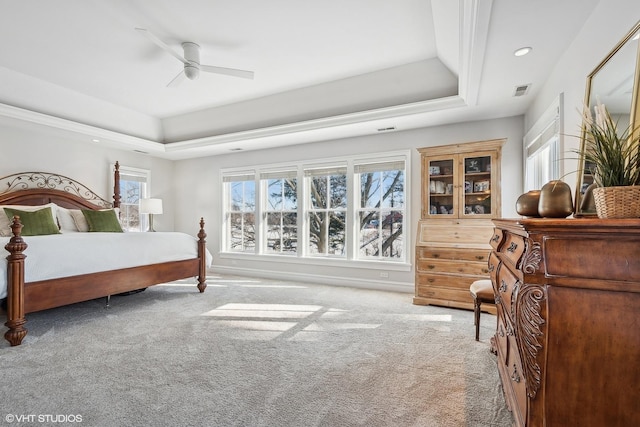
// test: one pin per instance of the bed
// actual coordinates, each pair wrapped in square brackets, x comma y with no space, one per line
[70,266]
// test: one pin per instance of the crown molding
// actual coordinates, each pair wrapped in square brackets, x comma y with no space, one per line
[196,147]
[474,29]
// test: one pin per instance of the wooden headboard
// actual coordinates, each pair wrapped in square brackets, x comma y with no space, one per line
[40,188]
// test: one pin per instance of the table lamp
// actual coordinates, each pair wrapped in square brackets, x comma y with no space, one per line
[151,207]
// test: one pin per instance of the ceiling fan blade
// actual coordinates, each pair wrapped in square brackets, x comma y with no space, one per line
[162,44]
[177,79]
[227,71]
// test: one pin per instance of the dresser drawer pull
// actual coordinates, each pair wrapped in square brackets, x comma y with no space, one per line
[435,255]
[431,267]
[431,280]
[491,268]
[503,286]
[485,270]
[515,376]
[480,257]
[512,247]
[495,238]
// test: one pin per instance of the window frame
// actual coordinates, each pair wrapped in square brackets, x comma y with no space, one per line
[278,175]
[302,255]
[545,135]
[227,181]
[144,176]
[389,164]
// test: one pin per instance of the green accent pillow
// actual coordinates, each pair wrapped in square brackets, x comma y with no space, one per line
[102,221]
[35,223]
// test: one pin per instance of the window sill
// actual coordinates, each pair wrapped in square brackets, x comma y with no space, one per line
[320,261]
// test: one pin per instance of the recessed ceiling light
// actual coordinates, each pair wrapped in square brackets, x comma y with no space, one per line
[95,140]
[522,51]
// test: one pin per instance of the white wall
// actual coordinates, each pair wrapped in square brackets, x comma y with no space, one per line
[199,195]
[610,21]
[25,147]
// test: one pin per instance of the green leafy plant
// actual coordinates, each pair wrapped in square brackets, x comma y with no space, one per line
[612,156]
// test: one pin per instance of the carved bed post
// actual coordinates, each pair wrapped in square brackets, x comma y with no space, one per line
[15,285]
[116,186]
[202,256]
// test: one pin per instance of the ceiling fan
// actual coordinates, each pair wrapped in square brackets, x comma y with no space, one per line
[191,61]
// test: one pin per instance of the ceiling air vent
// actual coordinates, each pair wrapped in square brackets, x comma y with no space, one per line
[521,90]
[387,129]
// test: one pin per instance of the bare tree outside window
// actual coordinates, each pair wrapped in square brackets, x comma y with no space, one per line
[281,214]
[134,185]
[381,211]
[241,216]
[327,212]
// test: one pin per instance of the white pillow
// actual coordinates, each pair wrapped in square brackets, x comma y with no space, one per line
[5,222]
[79,220]
[65,220]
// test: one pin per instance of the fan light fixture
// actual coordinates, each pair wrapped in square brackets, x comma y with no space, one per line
[191,61]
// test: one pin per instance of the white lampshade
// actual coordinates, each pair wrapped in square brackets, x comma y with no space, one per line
[151,206]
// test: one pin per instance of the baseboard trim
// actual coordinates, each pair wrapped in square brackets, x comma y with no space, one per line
[321,280]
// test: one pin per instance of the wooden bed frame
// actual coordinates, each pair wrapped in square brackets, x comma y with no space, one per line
[38,188]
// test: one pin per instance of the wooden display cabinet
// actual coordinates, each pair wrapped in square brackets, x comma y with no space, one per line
[460,196]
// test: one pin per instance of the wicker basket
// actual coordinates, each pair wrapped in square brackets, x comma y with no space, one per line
[617,202]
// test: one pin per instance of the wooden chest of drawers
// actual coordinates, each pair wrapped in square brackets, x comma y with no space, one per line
[568,331]
[450,255]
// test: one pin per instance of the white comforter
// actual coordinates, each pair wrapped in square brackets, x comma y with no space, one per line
[71,254]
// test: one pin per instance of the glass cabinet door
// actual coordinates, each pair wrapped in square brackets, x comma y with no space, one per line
[477,185]
[441,199]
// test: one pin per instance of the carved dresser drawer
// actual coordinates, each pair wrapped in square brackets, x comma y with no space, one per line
[568,333]
[512,247]
[506,282]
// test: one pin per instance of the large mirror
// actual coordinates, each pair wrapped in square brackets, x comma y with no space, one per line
[615,83]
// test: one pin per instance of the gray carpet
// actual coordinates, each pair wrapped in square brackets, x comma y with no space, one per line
[252,352]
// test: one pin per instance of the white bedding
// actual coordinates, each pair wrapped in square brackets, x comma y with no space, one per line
[71,254]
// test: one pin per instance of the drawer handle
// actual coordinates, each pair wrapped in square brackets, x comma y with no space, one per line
[431,267]
[515,376]
[512,247]
[491,268]
[485,270]
[480,257]
[503,286]
[431,280]
[436,255]
[495,238]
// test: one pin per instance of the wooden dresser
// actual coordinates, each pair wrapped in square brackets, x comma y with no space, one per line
[568,331]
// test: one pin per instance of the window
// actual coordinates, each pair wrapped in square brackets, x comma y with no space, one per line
[134,185]
[542,146]
[240,212]
[380,212]
[281,211]
[327,209]
[348,209]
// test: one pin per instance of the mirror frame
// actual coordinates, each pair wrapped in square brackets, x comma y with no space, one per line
[634,115]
